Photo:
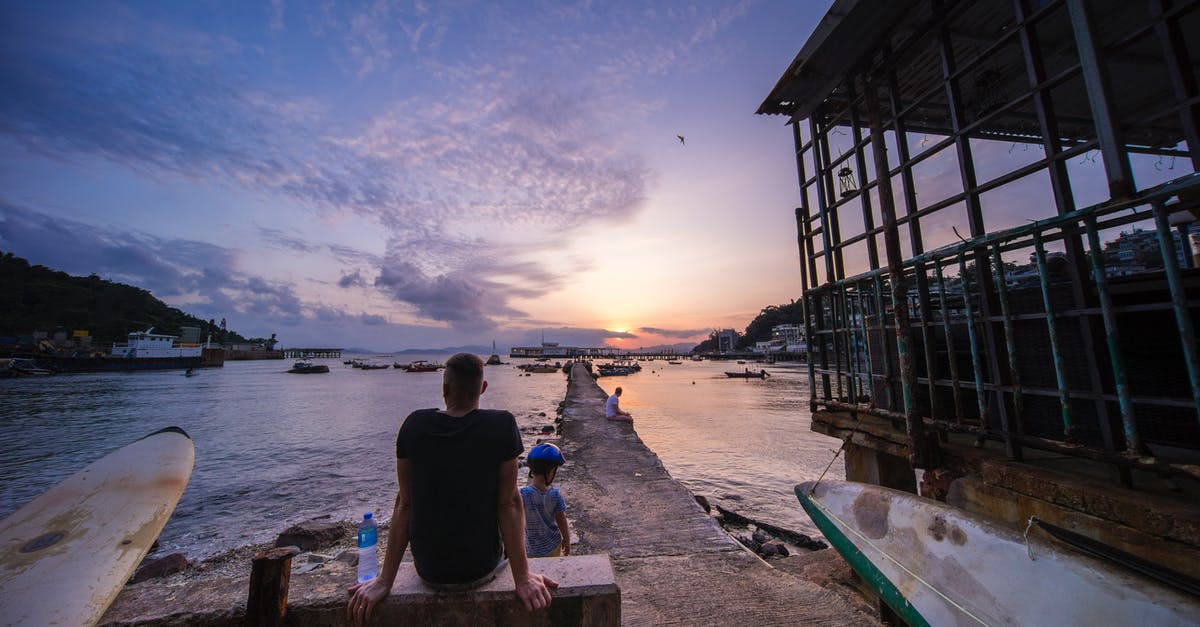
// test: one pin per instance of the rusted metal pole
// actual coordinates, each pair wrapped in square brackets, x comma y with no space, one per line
[972,336]
[918,446]
[951,355]
[1010,336]
[1133,440]
[1060,364]
[270,574]
[1183,318]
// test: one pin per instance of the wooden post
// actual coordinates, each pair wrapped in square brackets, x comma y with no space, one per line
[269,578]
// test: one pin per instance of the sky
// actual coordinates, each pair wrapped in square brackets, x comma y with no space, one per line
[410,174]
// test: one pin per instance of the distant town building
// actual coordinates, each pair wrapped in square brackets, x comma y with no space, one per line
[727,340]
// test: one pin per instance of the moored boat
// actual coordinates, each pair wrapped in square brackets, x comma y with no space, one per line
[307,367]
[18,367]
[419,365]
[143,350]
[935,564]
[613,370]
[541,368]
[748,374]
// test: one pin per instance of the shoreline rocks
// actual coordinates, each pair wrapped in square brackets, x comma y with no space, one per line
[164,566]
[312,535]
[766,540]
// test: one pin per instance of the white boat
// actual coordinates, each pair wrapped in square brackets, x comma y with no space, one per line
[147,344]
[305,366]
[935,564]
[19,367]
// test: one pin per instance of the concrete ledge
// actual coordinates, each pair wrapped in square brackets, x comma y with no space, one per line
[587,595]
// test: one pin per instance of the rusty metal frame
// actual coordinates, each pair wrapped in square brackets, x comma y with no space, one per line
[897,298]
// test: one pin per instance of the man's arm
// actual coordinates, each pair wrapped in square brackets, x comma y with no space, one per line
[532,588]
[365,596]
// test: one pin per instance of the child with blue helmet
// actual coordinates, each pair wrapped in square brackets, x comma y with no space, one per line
[546,530]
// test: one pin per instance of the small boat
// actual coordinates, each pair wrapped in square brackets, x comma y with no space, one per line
[307,367]
[747,374]
[618,369]
[19,367]
[371,366]
[540,368]
[741,361]
[420,365]
[935,564]
[675,363]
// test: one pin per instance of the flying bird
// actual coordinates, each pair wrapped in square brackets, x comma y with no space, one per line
[681,140]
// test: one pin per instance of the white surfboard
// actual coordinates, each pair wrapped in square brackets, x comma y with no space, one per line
[65,556]
[935,564]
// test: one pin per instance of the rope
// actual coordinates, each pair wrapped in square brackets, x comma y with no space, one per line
[853,430]
[893,560]
[1028,526]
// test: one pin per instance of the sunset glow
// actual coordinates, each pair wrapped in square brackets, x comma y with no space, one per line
[409,175]
[417,176]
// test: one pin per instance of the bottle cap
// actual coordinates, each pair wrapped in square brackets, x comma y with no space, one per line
[367,516]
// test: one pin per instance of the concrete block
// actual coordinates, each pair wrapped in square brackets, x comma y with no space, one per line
[587,596]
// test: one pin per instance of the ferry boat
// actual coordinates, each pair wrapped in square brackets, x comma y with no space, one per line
[147,344]
[146,350]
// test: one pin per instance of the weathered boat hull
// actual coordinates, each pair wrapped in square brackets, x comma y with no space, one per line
[937,565]
[116,364]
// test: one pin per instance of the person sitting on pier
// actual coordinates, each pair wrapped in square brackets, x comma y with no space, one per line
[547,533]
[460,542]
[612,408]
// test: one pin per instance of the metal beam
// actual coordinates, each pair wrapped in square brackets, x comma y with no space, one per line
[1099,91]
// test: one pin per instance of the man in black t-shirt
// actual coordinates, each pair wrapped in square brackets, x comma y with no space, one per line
[458,501]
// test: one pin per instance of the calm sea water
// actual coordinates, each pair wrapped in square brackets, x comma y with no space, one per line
[273,449]
[742,443]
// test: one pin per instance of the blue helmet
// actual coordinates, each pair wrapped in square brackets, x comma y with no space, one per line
[548,452]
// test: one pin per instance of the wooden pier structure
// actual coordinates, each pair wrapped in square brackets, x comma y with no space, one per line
[312,353]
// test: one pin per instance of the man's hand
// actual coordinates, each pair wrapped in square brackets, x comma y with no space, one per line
[534,591]
[566,546]
[363,598]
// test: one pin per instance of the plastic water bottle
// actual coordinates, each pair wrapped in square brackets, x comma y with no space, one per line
[368,539]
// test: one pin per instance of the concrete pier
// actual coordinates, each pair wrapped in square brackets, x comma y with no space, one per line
[674,563]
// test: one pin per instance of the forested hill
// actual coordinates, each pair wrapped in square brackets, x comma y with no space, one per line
[759,329]
[37,298]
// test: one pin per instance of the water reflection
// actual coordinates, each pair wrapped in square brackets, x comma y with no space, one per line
[273,449]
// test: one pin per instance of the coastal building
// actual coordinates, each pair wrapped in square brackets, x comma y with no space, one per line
[727,340]
[790,337]
[938,145]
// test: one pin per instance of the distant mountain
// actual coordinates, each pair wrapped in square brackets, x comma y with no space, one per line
[478,350]
[360,351]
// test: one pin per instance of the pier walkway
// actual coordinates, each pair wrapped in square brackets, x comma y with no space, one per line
[674,564]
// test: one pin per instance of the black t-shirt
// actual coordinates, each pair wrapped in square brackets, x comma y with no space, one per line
[453,527]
